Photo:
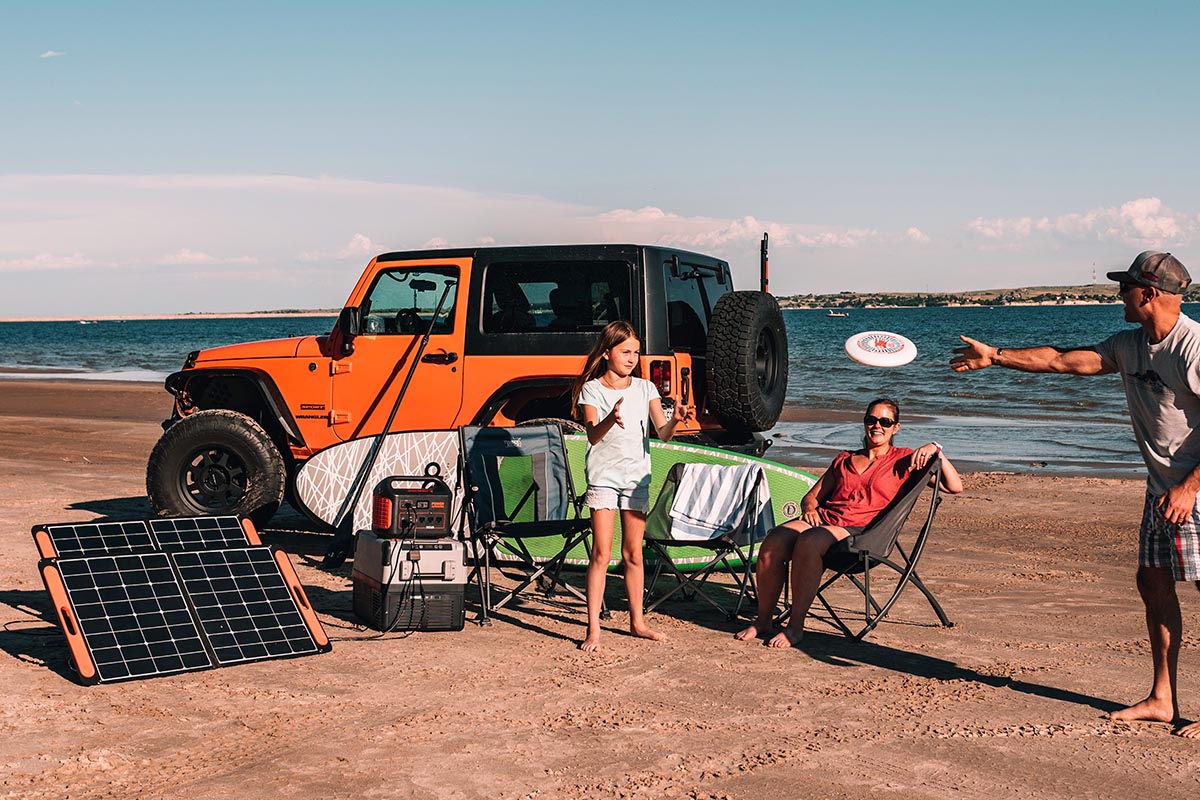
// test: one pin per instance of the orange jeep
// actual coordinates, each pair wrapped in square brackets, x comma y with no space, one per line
[514,325]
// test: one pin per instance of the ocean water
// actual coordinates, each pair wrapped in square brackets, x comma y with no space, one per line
[990,420]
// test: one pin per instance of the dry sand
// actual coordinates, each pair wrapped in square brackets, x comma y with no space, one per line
[1037,574]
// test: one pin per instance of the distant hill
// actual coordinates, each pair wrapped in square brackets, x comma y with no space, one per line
[1034,295]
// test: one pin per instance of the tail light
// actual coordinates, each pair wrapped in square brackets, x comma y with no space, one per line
[660,376]
[381,513]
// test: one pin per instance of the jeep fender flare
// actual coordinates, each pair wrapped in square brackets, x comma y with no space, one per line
[274,414]
[487,412]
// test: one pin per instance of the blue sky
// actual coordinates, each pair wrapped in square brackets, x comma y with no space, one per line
[163,157]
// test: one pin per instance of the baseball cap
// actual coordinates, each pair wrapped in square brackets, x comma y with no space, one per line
[1163,271]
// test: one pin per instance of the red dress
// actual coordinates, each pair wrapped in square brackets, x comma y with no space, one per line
[857,498]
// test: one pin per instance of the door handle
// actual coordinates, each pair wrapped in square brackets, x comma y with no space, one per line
[439,358]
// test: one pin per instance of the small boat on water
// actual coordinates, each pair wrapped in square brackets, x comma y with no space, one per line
[833,313]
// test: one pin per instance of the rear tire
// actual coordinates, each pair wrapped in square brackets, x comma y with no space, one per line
[216,462]
[746,363]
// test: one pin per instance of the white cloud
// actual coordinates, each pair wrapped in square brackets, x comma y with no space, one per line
[51,54]
[359,248]
[44,261]
[916,235]
[1143,222]
[186,257]
[300,242]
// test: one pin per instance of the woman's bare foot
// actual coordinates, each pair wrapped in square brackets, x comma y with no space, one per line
[1189,731]
[1149,710]
[788,637]
[645,632]
[592,643]
[754,630]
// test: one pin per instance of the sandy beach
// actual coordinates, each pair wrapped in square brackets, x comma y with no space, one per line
[1036,572]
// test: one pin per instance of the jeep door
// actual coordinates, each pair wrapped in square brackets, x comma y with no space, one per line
[396,310]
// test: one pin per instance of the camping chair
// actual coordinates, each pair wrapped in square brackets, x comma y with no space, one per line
[724,510]
[517,487]
[854,558]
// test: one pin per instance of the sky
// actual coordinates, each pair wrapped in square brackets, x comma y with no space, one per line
[242,156]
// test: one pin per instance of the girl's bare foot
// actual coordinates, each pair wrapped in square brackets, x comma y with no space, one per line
[1191,731]
[645,632]
[788,637]
[592,643]
[1149,710]
[753,631]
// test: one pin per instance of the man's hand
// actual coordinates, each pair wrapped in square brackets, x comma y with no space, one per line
[813,518]
[1177,504]
[682,413]
[974,355]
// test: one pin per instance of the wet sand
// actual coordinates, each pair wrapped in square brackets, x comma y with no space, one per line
[1036,572]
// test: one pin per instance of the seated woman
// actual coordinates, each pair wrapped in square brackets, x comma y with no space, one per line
[855,488]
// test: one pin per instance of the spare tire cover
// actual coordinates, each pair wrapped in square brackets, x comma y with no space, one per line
[746,362]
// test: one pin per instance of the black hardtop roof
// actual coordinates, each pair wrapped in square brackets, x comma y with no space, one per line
[543,251]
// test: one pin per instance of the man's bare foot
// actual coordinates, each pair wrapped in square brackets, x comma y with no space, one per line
[753,631]
[645,632]
[592,643]
[788,637]
[1149,710]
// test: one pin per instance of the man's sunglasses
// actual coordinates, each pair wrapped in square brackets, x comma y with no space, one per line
[884,422]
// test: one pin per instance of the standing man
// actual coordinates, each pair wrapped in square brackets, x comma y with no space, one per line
[1159,364]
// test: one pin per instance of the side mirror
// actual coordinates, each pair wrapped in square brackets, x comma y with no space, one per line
[349,324]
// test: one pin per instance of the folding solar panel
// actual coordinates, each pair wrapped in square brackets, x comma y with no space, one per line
[200,533]
[125,616]
[143,536]
[194,595]
[95,538]
[244,606]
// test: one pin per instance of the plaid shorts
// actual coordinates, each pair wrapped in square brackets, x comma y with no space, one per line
[1162,544]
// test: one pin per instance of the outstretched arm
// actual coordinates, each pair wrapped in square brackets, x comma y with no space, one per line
[977,355]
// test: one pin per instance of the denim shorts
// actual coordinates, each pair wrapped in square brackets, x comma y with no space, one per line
[624,499]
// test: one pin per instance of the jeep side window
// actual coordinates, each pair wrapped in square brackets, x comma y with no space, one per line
[402,301]
[687,317]
[555,296]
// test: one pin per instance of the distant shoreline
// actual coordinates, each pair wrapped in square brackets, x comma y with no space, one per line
[196,315]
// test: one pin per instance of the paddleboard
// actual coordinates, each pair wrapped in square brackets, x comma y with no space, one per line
[880,349]
[324,480]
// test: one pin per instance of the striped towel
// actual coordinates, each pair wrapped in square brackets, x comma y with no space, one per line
[711,500]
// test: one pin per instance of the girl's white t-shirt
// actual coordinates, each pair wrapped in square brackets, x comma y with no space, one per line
[621,460]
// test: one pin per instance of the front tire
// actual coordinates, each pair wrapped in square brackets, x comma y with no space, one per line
[216,462]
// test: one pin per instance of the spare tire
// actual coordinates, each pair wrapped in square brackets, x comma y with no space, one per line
[746,363]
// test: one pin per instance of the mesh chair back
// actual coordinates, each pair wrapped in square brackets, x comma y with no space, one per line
[879,538]
[539,489]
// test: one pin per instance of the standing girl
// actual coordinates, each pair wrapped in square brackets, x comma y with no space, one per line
[616,407]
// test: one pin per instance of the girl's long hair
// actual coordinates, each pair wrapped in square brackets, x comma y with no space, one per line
[594,366]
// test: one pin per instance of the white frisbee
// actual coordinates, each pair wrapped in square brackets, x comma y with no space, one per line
[880,349]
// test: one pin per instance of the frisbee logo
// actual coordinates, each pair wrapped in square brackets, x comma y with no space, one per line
[881,343]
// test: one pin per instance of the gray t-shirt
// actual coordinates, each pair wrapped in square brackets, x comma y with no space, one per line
[621,460]
[1162,386]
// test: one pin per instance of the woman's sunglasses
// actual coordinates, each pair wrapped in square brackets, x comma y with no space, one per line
[884,422]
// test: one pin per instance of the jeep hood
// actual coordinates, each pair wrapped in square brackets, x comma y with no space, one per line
[292,347]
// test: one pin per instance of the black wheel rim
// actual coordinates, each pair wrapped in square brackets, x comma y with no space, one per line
[214,479]
[766,364]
